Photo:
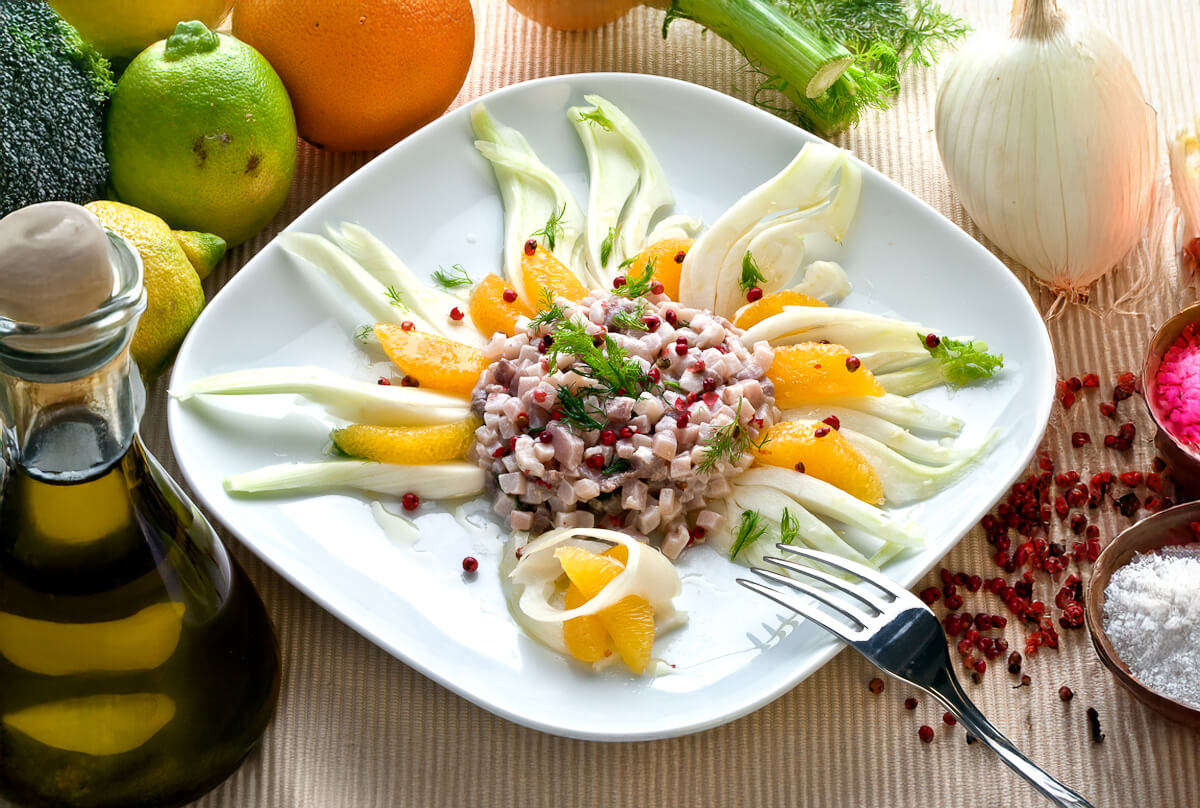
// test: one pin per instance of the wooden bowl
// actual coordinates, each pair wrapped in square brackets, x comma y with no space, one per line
[1163,529]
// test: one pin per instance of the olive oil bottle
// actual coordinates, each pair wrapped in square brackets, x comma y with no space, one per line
[138,666]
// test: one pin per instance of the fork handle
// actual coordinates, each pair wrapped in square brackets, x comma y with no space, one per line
[948,690]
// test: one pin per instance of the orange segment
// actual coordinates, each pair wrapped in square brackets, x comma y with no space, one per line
[586,638]
[630,623]
[542,273]
[437,363]
[407,445]
[491,312]
[811,372]
[825,454]
[769,306]
[620,552]
[627,625]
[667,256]
[586,570]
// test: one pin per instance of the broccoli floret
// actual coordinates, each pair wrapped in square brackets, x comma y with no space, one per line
[54,90]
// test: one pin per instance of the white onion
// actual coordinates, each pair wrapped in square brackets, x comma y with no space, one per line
[1048,141]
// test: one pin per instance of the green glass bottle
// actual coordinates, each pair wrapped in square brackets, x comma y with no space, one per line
[138,666]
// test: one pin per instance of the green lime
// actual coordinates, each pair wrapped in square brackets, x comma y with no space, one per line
[201,132]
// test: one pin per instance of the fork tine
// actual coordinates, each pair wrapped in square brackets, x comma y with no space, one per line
[866,573]
[816,594]
[837,583]
[803,609]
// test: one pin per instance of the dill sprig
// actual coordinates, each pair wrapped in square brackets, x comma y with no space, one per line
[751,275]
[730,441]
[634,320]
[606,246]
[628,262]
[637,286]
[598,118]
[789,527]
[553,229]
[618,465]
[750,530]
[609,363]
[452,278]
[397,299]
[363,333]
[550,315]
[578,410]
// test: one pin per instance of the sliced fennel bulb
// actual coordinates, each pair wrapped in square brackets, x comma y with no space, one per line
[532,194]
[816,193]
[350,399]
[647,574]
[437,481]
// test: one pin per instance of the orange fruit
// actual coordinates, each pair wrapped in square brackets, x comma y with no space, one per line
[435,362]
[811,372]
[769,306]
[628,623]
[542,273]
[828,457]
[489,310]
[668,264]
[362,73]
[586,638]
[407,445]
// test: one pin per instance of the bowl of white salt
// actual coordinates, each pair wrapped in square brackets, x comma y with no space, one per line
[1143,611]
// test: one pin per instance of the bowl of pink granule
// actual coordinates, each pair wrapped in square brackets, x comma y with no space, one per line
[1171,385]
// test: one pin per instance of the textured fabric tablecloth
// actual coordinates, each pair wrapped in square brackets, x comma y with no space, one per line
[359,728]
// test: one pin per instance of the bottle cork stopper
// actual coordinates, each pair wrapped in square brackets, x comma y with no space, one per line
[54,264]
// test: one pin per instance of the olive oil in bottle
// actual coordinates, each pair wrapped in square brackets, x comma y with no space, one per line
[138,666]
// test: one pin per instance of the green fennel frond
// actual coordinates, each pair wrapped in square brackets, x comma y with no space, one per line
[750,530]
[964,361]
[553,229]
[452,278]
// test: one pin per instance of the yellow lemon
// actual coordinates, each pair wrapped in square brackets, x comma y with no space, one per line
[120,29]
[173,292]
[204,250]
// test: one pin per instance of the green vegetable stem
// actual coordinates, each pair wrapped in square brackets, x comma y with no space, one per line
[830,58]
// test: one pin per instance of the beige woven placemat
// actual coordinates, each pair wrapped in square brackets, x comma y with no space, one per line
[358,728]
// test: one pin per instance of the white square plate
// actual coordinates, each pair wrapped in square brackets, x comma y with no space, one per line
[433,199]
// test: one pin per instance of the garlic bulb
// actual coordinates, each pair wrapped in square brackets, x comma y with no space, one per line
[1049,143]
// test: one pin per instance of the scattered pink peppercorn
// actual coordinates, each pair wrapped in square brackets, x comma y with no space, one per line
[407,325]
[410,381]
[925,733]
[595,461]
[531,246]
[948,719]
[875,685]
[618,281]
[656,288]
[410,501]
[799,467]
[545,436]
[820,432]
[853,363]
[384,381]
[456,314]
[932,340]
[833,422]
[510,295]
[910,703]
[679,256]
[755,293]
[470,564]
[651,322]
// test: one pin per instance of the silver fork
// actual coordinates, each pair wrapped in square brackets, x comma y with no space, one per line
[900,635]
